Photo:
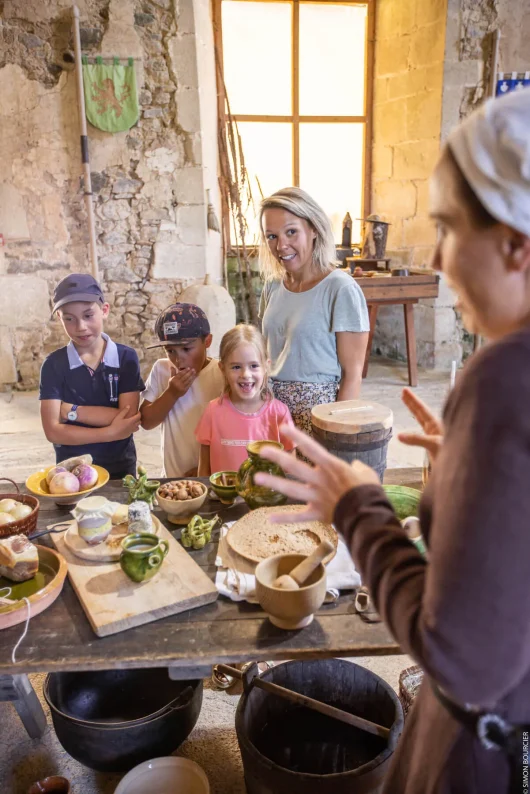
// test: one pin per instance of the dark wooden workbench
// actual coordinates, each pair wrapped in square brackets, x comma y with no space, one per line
[60,638]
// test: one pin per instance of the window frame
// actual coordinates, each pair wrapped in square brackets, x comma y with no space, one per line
[296,118]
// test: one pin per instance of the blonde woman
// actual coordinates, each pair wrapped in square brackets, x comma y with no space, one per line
[246,411]
[314,316]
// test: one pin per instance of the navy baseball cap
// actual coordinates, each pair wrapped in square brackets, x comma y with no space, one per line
[180,321]
[77,287]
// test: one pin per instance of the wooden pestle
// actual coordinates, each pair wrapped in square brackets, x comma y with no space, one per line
[251,677]
[304,569]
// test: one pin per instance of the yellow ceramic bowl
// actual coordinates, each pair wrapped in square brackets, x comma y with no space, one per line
[36,483]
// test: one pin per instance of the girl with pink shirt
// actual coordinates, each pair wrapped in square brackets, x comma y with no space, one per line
[246,411]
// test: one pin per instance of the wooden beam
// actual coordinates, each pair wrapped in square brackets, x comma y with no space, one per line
[296,93]
[301,119]
[369,109]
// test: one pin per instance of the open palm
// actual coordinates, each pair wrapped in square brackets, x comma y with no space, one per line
[432,437]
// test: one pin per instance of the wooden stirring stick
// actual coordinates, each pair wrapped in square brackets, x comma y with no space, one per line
[251,677]
[304,569]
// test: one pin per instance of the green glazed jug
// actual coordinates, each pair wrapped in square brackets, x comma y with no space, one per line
[257,495]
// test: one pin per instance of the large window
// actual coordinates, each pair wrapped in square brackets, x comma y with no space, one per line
[296,77]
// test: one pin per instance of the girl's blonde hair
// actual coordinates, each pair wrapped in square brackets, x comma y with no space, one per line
[299,203]
[246,334]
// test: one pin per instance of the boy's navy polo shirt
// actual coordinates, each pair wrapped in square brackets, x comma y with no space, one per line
[65,377]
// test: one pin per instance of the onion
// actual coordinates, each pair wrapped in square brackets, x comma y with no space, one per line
[6,518]
[64,482]
[20,511]
[86,475]
[7,505]
[55,470]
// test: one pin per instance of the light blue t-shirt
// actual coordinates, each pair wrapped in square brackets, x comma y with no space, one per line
[300,327]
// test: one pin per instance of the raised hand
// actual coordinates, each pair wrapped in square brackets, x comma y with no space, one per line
[180,381]
[320,487]
[432,437]
[123,425]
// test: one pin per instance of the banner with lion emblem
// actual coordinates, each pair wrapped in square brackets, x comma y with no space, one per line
[111,97]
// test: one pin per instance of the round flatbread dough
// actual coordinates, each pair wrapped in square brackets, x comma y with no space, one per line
[255,538]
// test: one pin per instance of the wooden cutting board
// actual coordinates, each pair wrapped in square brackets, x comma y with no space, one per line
[113,602]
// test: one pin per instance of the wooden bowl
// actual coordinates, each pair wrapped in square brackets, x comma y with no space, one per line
[41,591]
[226,493]
[289,609]
[180,511]
[36,483]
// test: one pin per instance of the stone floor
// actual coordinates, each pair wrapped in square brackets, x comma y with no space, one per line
[213,743]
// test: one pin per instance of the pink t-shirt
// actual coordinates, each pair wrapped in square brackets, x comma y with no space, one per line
[227,431]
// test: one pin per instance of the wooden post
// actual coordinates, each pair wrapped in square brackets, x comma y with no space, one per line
[410,337]
[373,308]
[84,148]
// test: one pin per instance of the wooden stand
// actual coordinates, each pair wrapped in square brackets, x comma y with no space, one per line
[398,291]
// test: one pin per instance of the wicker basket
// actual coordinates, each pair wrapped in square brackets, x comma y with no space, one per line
[24,525]
[409,684]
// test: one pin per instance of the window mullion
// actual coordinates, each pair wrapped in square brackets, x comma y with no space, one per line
[296,93]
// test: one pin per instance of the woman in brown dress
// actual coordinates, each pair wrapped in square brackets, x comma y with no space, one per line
[465,614]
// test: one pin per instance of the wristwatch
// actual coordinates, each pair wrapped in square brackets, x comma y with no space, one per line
[72,414]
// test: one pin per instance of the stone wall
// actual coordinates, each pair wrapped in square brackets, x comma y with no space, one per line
[468,59]
[149,182]
[409,72]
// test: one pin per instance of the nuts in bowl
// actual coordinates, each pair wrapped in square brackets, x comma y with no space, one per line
[181,490]
[181,499]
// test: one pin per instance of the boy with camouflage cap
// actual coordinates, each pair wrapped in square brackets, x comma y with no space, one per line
[180,386]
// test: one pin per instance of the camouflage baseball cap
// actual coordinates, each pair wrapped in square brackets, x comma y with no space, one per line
[180,321]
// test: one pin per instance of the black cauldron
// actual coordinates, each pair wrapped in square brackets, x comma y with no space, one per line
[114,719]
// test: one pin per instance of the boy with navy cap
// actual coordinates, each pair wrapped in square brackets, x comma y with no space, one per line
[180,386]
[90,389]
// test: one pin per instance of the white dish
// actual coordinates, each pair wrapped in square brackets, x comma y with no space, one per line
[165,776]
[105,551]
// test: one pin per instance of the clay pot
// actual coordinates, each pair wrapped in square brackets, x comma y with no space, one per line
[256,495]
[51,785]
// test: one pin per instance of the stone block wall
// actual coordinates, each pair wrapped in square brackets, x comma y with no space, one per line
[149,182]
[408,90]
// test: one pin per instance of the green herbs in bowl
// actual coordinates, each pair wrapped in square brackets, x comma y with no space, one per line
[405,501]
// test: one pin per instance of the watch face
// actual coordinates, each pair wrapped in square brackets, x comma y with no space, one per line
[72,416]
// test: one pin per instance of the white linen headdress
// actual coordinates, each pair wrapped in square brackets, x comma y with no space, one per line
[492,148]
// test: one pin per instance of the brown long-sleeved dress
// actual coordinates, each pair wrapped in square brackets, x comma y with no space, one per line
[464,616]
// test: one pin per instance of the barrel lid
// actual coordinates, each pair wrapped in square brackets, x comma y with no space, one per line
[352,417]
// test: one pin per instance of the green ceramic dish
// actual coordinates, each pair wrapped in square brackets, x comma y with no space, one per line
[226,493]
[405,501]
[257,495]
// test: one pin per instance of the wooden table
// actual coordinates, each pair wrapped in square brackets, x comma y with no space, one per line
[60,638]
[398,290]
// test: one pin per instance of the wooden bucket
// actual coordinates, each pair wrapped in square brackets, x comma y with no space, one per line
[288,749]
[355,430]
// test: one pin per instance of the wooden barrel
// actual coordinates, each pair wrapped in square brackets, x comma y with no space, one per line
[355,430]
[288,749]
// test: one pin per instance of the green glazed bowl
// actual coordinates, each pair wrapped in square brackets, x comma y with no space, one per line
[405,501]
[142,555]
[226,493]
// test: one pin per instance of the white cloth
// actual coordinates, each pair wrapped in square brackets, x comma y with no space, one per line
[492,148]
[180,448]
[235,578]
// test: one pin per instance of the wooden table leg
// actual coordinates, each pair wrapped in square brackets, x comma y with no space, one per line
[18,689]
[372,314]
[410,337]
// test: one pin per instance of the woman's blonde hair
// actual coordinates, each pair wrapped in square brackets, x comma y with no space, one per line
[299,203]
[246,334]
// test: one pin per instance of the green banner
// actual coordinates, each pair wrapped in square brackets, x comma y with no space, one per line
[111,97]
